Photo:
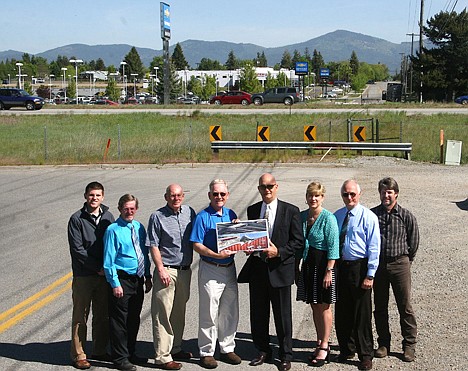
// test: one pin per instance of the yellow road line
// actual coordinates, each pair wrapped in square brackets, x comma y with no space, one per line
[36,306]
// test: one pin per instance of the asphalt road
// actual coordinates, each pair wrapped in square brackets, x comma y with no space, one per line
[37,202]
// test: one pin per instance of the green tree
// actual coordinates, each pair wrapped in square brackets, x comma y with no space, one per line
[354,63]
[286,60]
[100,65]
[112,90]
[282,79]
[270,81]
[444,67]
[248,79]
[297,57]
[134,64]
[317,62]
[178,58]
[231,63]
[207,64]
[71,89]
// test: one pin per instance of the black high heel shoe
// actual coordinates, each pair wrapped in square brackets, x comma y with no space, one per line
[319,362]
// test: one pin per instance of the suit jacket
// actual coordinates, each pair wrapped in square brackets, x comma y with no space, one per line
[287,236]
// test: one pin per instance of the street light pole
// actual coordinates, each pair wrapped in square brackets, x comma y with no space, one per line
[19,64]
[134,83]
[156,74]
[123,64]
[76,61]
[50,86]
[63,84]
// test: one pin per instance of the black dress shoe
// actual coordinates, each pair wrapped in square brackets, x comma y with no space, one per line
[138,360]
[342,358]
[261,358]
[284,366]
[125,366]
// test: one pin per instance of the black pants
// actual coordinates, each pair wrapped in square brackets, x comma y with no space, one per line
[261,295]
[353,310]
[124,317]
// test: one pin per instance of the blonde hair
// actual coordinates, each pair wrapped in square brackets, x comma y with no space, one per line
[315,188]
[217,181]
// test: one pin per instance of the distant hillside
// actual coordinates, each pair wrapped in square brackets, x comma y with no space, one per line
[334,46]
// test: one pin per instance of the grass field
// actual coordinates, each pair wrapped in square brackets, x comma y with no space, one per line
[159,139]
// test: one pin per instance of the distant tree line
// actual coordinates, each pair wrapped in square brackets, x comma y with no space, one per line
[441,72]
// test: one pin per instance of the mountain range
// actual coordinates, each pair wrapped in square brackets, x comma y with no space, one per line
[334,46]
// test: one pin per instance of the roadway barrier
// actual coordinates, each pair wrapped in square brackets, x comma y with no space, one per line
[327,146]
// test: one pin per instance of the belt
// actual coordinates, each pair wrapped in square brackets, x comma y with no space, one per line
[125,275]
[218,264]
[353,262]
[391,259]
[178,267]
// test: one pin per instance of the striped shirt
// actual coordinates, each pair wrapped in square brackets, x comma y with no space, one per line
[398,230]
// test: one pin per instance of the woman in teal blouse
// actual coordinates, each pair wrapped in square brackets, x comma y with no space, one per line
[316,282]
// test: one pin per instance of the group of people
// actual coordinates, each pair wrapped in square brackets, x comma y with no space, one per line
[333,259]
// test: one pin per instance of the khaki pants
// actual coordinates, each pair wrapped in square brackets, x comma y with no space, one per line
[89,290]
[168,313]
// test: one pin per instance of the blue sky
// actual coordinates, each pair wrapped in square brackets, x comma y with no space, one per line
[37,26]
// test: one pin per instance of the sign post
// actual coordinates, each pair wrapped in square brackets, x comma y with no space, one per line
[165,36]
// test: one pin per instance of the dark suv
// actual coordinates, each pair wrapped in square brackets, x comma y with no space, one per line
[283,94]
[11,97]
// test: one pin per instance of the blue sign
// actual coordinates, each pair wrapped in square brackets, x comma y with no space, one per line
[302,68]
[165,21]
[324,72]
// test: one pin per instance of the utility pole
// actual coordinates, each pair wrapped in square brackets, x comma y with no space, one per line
[411,64]
[421,25]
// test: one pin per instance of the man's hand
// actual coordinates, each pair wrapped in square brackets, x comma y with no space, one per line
[272,251]
[225,254]
[148,284]
[164,277]
[118,291]
[367,284]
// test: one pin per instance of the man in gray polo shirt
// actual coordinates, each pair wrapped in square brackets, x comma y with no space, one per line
[168,238]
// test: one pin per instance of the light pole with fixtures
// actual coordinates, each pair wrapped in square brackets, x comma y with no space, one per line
[134,83]
[156,68]
[50,86]
[9,79]
[63,83]
[19,64]
[76,61]
[123,64]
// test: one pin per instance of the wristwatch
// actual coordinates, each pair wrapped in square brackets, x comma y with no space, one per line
[370,278]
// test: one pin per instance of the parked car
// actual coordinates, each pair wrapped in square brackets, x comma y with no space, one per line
[462,99]
[232,97]
[12,97]
[106,102]
[284,95]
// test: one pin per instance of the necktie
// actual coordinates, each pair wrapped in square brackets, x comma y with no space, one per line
[139,253]
[343,230]
[267,216]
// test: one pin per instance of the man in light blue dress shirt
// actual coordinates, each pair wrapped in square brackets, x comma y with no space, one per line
[359,250]
[127,269]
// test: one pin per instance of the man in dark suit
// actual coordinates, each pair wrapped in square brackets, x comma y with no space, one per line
[270,274]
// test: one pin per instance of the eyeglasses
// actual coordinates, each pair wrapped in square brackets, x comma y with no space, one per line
[264,187]
[218,194]
[347,194]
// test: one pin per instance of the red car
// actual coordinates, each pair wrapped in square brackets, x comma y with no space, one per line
[231,97]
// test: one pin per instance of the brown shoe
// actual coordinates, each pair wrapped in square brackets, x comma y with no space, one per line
[231,358]
[382,352]
[82,364]
[181,356]
[409,355]
[208,362]
[365,364]
[170,366]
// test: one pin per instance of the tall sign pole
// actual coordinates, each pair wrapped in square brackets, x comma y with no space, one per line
[165,36]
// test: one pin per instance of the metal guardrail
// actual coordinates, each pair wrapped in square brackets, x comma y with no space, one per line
[327,146]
